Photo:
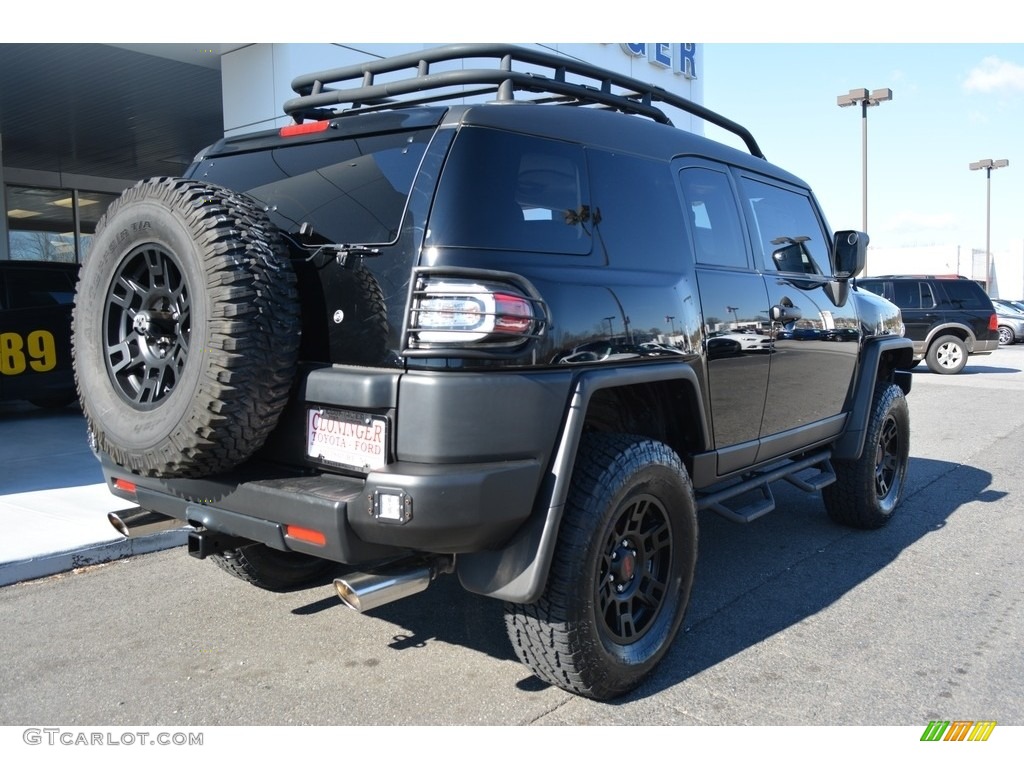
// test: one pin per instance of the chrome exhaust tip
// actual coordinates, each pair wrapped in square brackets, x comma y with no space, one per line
[133,523]
[365,591]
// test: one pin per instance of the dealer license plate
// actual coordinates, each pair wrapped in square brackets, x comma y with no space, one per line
[346,438]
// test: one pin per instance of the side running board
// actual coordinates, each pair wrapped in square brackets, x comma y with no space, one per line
[758,486]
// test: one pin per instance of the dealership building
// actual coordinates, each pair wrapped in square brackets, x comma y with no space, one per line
[81,122]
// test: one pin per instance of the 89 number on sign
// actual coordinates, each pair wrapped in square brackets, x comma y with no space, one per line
[36,351]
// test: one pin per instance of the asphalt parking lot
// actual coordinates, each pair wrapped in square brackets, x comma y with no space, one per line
[793,620]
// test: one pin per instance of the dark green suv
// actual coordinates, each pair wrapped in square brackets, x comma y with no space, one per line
[947,318]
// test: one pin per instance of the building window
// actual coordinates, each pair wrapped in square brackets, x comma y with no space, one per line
[52,224]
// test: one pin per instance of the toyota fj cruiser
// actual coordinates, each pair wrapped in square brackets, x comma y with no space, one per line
[421,336]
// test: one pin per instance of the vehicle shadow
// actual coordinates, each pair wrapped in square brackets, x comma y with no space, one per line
[752,581]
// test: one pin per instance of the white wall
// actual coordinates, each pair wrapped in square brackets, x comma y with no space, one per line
[257,78]
[926,260]
[1007,265]
[1008,271]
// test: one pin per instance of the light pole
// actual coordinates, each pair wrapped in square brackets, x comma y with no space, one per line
[865,99]
[611,332]
[988,165]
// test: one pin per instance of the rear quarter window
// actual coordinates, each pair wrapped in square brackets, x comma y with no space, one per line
[965,294]
[506,191]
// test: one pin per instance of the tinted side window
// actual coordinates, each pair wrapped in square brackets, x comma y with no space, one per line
[965,294]
[350,191]
[642,222]
[506,191]
[786,229]
[714,218]
[879,288]
[912,294]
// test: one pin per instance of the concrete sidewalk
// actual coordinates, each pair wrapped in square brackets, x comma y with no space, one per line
[53,501]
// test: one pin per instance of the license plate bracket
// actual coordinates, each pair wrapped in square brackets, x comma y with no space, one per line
[346,438]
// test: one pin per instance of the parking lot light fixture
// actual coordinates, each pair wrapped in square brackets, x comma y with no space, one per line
[988,165]
[865,99]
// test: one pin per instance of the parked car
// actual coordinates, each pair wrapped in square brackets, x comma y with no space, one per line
[947,318]
[35,332]
[1011,321]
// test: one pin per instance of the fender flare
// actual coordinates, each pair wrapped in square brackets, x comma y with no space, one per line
[518,571]
[850,444]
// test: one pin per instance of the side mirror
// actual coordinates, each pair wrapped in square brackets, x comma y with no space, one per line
[849,253]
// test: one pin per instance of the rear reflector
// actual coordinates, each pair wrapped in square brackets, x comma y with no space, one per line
[307,535]
[302,128]
[124,485]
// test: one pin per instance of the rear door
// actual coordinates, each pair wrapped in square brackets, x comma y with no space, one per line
[734,306]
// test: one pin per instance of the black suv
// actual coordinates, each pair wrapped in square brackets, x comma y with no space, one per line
[35,332]
[947,318]
[486,339]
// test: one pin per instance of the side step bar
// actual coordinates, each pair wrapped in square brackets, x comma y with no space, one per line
[760,482]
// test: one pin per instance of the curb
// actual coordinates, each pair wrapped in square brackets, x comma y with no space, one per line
[59,562]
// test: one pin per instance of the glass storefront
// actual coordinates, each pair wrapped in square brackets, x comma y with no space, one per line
[52,224]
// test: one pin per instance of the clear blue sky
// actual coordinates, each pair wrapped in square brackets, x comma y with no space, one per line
[953,104]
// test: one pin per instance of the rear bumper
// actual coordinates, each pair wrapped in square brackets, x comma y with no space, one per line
[985,347]
[442,508]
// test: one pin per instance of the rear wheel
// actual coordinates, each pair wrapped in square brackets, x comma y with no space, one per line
[947,354]
[622,570]
[1005,336]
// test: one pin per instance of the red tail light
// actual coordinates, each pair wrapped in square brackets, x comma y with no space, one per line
[993,323]
[461,312]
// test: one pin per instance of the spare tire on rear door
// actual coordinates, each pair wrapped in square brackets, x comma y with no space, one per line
[186,329]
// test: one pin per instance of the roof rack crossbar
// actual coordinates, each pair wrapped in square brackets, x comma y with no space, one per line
[318,96]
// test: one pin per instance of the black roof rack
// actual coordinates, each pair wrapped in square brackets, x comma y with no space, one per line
[359,89]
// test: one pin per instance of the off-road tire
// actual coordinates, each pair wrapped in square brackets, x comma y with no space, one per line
[867,490]
[269,568]
[621,574]
[185,329]
[947,355]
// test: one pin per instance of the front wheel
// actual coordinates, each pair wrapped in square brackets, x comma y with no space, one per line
[867,490]
[621,574]
[1005,336]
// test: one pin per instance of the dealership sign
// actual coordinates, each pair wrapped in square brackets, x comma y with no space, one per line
[681,58]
